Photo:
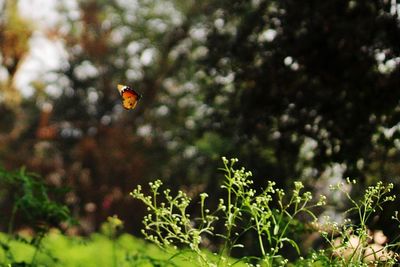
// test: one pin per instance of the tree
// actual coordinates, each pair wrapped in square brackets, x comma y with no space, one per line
[14,37]
[323,71]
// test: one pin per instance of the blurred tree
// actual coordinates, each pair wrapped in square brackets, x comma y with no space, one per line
[321,71]
[15,33]
[105,151]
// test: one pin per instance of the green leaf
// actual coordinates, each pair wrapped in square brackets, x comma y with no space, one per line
[291,242]
[276,229]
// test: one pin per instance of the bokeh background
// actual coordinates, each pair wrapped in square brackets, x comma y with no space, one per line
[297,90]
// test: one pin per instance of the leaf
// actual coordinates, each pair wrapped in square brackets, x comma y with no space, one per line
[276,229]
[4,246]
[291,242]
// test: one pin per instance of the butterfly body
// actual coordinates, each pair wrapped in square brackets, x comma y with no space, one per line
[129,96]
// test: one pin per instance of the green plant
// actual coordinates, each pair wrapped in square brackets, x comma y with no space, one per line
[350,242]
[95,250]
[267,213]
[30,202]
[110,229]
[271,216]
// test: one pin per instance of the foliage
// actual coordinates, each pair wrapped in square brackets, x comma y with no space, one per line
[290,70]
[270,214]
[31,206]
[15,33]
[110,229]
[353,241]
[97,250]
[31,199]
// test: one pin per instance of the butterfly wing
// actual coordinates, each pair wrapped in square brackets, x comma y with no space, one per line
[121,87]
[129,100]
[129,96]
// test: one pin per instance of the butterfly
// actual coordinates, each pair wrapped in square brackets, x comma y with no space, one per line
[129,96]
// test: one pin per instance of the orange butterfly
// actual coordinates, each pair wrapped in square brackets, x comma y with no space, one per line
[129,96]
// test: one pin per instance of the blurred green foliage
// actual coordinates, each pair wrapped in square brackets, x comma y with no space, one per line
[96,251]
[30,201]
[27,203]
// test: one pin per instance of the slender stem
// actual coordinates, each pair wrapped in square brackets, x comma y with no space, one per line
[37,246]
[228,176]
[155,208]
[11,222]
[260,241]
[114,252]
